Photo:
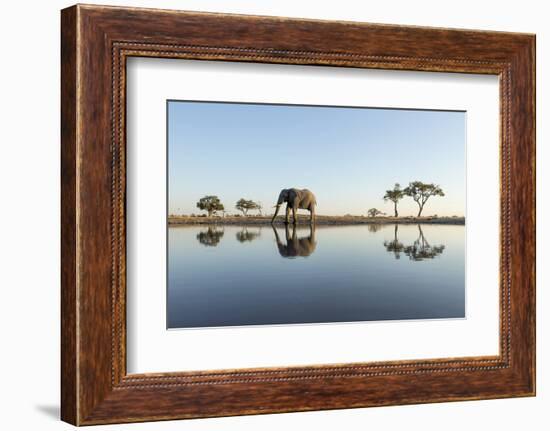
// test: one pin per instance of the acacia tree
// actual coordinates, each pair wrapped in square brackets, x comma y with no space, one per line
[245,205]
[210,204]
[373,212]
[395,196]
[421,192]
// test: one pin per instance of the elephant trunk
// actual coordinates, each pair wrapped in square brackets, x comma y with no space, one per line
[277,207]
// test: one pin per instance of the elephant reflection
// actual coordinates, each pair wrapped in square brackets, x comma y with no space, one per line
[295,246]
[210,237]
[247,236]
[419,250]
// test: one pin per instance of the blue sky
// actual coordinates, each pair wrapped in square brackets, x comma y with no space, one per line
[347,156]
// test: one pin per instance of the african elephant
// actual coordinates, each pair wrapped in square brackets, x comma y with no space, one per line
[295,246]
[296,199]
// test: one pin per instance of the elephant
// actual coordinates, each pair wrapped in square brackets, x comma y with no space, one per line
[295,246]
[296,199]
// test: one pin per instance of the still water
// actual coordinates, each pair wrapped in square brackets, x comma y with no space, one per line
[257,275]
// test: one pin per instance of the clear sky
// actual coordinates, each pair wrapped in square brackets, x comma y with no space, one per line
[347,157]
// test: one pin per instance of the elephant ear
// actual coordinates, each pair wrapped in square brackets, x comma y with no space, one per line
[292,195]
[282,196]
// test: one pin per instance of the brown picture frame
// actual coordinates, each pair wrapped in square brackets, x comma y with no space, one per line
[95,43]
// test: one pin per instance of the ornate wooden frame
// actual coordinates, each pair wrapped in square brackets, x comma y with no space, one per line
[95,42]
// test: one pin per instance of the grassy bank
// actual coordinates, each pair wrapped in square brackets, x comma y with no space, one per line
[321,220]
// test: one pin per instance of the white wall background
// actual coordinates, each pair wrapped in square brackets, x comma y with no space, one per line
[29,216]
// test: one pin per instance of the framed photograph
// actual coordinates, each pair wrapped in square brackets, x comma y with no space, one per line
[263,214]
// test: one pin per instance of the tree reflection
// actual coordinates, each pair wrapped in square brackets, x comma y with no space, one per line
[210,237]
[295,246]
[419,250]
[374,227]
[247,236]
[394,246]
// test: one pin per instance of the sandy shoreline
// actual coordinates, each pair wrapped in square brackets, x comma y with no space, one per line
[321,220]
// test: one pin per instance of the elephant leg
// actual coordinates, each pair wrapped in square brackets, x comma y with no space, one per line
[287,216]
[312,216]
[312,233]
[287,233]
[295,220]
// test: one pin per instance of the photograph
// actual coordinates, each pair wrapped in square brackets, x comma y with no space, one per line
[282,214]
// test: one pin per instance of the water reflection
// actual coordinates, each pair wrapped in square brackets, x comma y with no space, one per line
[419,250]
[210,237]
[246,235]
[216,280]
[394,246]
[374,227]
[294,245]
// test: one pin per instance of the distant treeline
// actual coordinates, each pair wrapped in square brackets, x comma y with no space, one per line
[419,191]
